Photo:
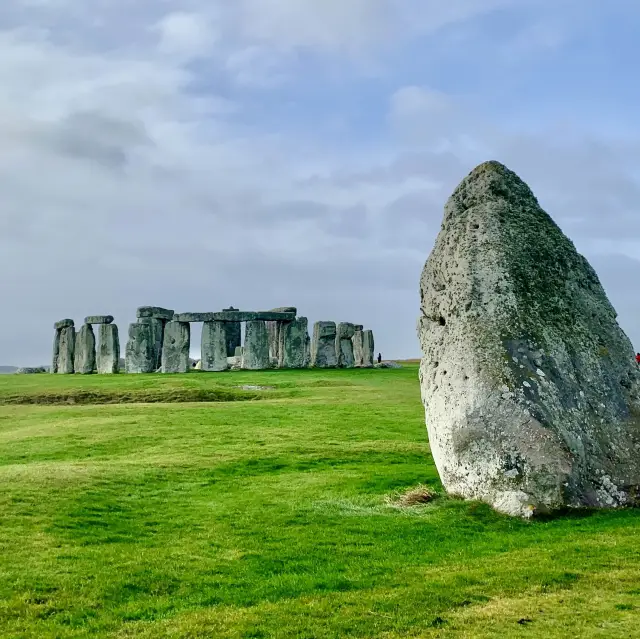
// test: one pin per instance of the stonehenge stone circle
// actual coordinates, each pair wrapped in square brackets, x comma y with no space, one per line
[255,355]
[294,337]
[214,347]
[344,345]
[175,347]
[98,319]
[323,345]
[530,387]
[66,350]
[140,352]
[85,350]
[368,349]
[108,352]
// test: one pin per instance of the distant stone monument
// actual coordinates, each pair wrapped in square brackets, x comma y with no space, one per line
[108,355]
[140,354]
[175,347]
[64,347]
[214,346]
[344,345]
[85,351]
[294,344]
[530,387]
[368,349]
[255,355]
[157,317]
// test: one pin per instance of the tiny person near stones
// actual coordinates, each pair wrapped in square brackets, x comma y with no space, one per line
[380,358]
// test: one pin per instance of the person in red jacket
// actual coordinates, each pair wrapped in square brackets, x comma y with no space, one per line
[638,358]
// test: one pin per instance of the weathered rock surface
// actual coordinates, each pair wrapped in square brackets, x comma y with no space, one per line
[234,334]
[275,331]
[256,346]
[214,347]
[98,319]
[56,352]
[323,345]
[29,370]
[139,352]
[530,388]
[155,311]
[108,355]
[294,337]
[368,348]
[239,350]
[193,317]
[157,328]
[249,316]
[85,350]
[66,350]
[357,342]
[65,323]
[175,347]
[344,346]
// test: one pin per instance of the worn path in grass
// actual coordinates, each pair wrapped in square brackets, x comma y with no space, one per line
[269,516]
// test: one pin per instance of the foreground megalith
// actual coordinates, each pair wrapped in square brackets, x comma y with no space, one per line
[108,351]
[140,352]
[214,347]
[368,349]
[175,347]
[530,387]
[255,355]
[85,350]
[66,338]
[323,345]
[294,338]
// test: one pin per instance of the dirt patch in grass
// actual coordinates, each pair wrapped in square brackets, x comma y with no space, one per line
[130,396]
[415,496]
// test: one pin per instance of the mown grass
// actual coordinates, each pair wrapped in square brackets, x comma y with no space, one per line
[281,518]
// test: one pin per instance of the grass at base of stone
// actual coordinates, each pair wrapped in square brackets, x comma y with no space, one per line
[281,518]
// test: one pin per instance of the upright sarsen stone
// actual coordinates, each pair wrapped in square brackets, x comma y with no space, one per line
[139,353]
[344,345]
[108,355]
[530,388]
[56,352]
[175,347]
[294,338]
[66,350]
[255,355]
[357,342]
[157,329]
[275,328]
[214,347]
[323,345]
[368,349]
[85,350]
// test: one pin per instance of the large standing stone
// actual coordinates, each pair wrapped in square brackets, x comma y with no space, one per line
[323,345]
[256,346]
[140,353]
[368,349]
[85,350]
[214,347]
[344,346]
[357,342]
[108,359]
[530,388]
[66,350]
[157,328]
[56,352]
[275,328]
[233,331]
[175,348]
[294,338]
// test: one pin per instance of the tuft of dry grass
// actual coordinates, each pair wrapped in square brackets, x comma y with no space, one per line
[416,496]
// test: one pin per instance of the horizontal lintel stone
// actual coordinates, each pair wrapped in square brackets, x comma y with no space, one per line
[155,312]
[98,319]
[65,323]
[249,316]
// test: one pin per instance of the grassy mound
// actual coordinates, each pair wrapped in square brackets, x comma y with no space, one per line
[314,513]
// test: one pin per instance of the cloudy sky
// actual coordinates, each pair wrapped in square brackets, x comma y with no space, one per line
[199,153]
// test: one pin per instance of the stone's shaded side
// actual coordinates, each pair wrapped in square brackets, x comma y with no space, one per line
[294,337]
[108,355]
[67,349]
[530,388]
[357,342]
[234,337]
[194,317]
[139,352]
[368,349]
[175,347]
[65,323]
[157,328]
[344,345]
[155,311]
[214,347]
[98,319]
[307,351]
[323,345]
[85,350]
[56,352]
[256,346]
[275,331]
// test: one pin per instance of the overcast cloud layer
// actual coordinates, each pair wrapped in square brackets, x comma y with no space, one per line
[199,153]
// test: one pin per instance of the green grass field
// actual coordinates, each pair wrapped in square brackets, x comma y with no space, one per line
[274,513]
